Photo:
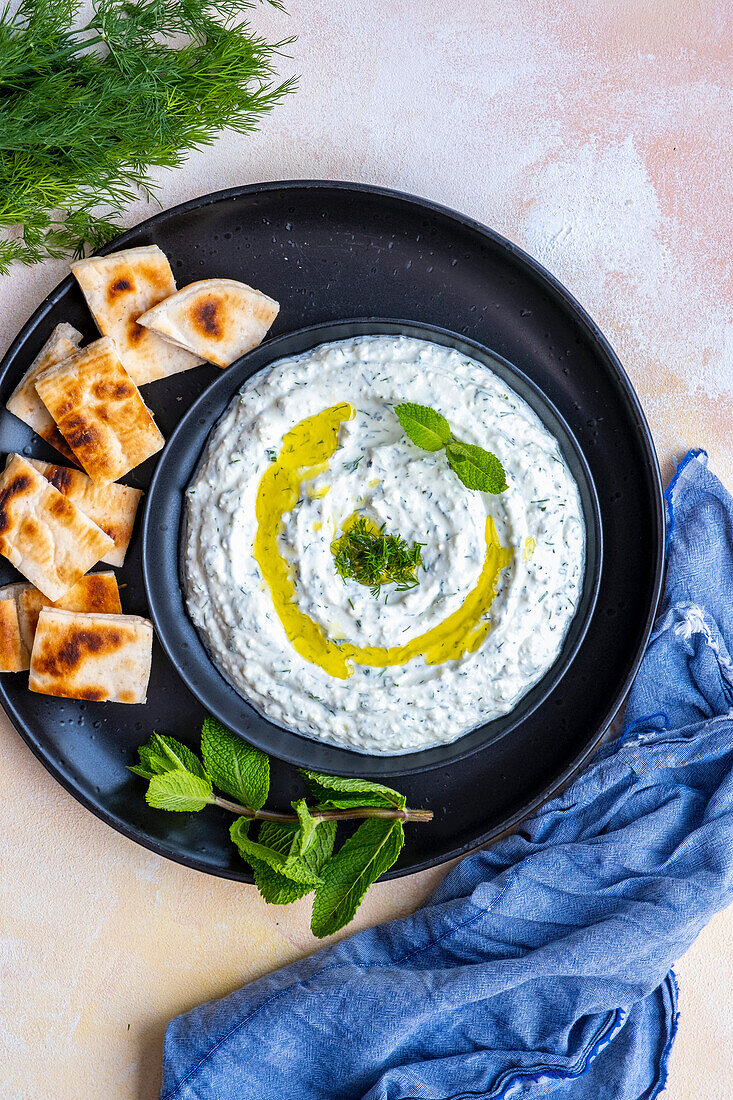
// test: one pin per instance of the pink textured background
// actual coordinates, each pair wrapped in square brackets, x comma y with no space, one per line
[596,134]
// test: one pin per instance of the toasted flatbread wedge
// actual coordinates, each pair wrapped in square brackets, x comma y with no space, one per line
[118,288]
[111,507]
[25,403]
[219,319]
[105,658]
[99,411]
[13,654]
[45,536]
[97,592]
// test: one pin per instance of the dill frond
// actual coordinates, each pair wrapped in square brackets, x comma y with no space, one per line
[368,556]
[86,113]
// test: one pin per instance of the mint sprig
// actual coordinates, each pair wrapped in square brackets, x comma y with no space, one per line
[425,427]
[292,854]
[477,468]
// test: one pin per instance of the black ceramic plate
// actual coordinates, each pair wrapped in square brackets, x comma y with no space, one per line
[328,251]
[164,534]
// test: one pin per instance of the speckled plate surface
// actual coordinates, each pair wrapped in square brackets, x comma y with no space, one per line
[328,251]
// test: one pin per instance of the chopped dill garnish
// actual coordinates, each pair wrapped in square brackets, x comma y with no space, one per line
[365,554]
[351,466]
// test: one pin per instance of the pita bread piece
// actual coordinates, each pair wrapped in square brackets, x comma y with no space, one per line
[12,592]
[112,507]
[8,593]
[219,319]
[105,658]
[25,403]
[96,593]
[118,288]
[45,536]
[99,411]
[14,655]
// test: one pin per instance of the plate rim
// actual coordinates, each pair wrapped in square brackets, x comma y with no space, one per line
[593,331]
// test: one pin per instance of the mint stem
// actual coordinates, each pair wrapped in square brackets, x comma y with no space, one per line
[322,815]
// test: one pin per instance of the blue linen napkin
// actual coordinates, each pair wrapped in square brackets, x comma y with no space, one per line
[542,966]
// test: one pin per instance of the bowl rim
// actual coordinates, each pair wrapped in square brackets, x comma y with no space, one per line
[340,760]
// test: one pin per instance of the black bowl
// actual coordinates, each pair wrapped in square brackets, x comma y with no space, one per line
[162,538]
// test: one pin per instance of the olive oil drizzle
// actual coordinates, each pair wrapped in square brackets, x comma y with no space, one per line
[305,453]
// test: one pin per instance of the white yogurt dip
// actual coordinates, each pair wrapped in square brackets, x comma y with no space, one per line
[407,669]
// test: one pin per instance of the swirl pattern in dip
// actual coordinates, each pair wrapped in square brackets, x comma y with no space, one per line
[313,441]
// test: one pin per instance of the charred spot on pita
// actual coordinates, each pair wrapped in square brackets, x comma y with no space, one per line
[16,488]
[135,332]
[60,478]
[119,286]
[158,277]
[94,695]
[106,390]
[29,528]
[96,590]
[76,646]
[207,316]
[61,508]
[80,433]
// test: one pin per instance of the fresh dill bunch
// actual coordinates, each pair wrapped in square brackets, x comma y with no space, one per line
[86,113]
[365,554]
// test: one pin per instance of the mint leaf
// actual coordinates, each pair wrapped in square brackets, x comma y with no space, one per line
[343,793]
[180,755]
[234,766]
[290,866]
[284,838]
[177,777]
[281,837]
[425,427]
[478,469]
[275,887]
[163,754]
[178,790]
[308,826]
[365,856]
[141,769]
